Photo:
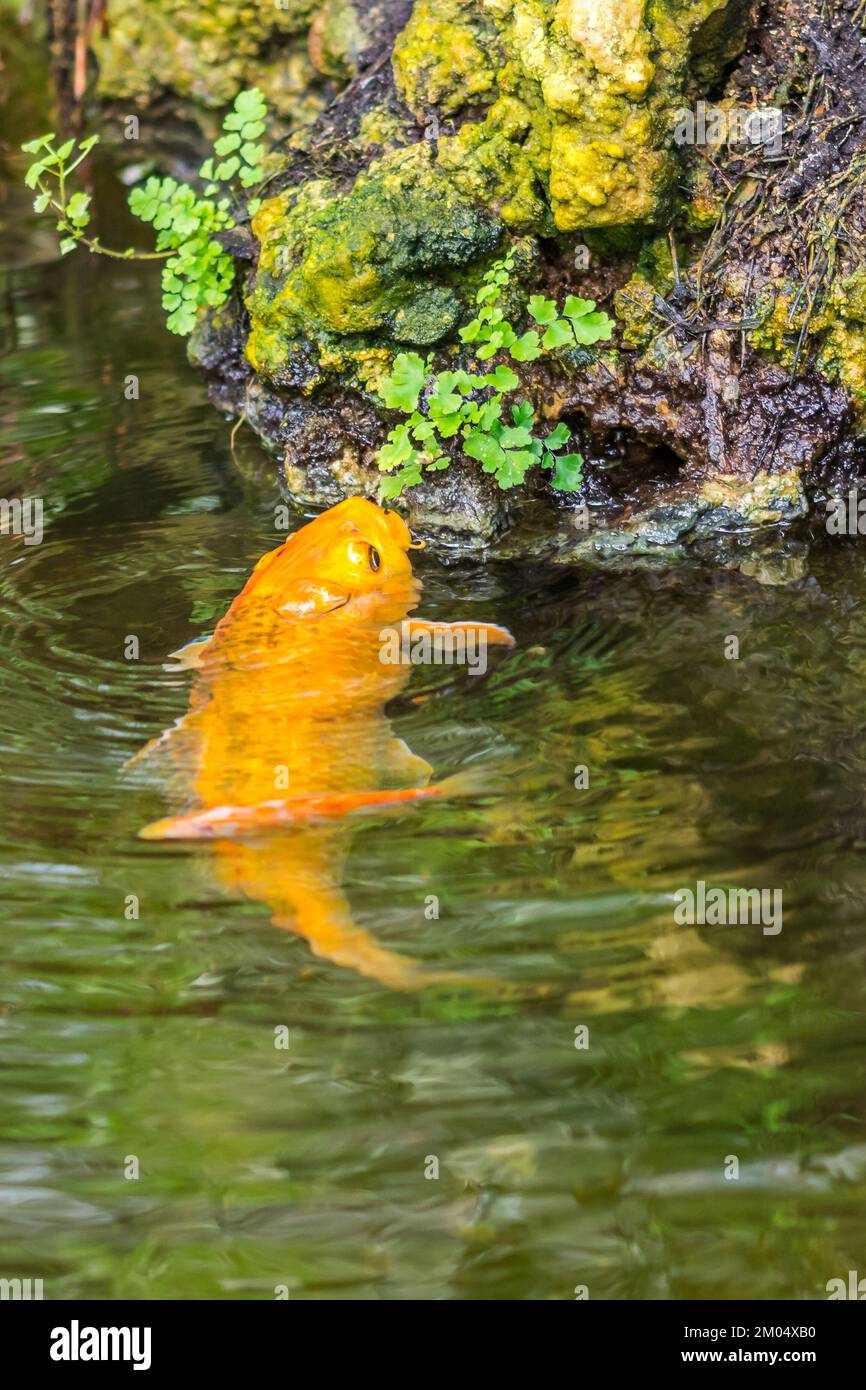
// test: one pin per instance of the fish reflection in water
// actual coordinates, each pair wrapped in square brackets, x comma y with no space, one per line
[286,730]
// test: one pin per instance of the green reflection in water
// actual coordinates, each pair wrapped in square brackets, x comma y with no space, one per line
[155,1037]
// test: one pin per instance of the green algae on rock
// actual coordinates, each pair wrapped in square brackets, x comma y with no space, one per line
[391,258]
[597,81]
[207,50]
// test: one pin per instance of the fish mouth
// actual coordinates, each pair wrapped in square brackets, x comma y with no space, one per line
[398,531]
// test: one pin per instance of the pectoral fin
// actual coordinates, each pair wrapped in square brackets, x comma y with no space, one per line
[189,656]
[492,634]
[404,766]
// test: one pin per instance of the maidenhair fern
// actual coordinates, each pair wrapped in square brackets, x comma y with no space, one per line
[470,404]
[198,273]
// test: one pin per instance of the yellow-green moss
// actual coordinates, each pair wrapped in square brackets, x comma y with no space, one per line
[446,57]
[503,163]
[843,353]
[381,128]
[207,50]
[600,79]
[634,309]
[394,257]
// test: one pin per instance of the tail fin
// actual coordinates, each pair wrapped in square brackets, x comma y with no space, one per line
[322,918]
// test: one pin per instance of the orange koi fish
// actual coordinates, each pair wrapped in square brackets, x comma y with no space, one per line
[287,732]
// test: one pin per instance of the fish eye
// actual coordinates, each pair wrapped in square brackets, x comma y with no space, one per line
[375,558]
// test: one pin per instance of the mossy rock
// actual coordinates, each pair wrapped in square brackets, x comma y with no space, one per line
[392,258]
[598,83]
[206,51]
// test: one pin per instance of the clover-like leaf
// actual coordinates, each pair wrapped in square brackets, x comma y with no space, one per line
[397,451]
[527,348]
[568,472]
[34,146]
[559,437]
[593,328]
[514,467]
[517,437]
[558,334]
[392,486]
[502,378]
[542,310]
[575,307]
[400,390]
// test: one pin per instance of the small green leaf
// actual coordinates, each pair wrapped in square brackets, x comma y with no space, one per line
[398,450]
[67,244]
[484,448]
[400,391]
[542,310]
[226,144]
[33,146]
[527,348]
[502,379]
[391,487]
[41,203]
[559,437]
[593,328]
[575,307]
[250,103]
[568,472]
[487,415]
[516,438]
[77,209]
[558,334]
[514,468]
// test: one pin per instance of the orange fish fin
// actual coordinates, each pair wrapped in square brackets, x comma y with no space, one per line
[322,918]
[310,598]
[404,766]
[189,656]
[171,754]
[494,635]
[247,822]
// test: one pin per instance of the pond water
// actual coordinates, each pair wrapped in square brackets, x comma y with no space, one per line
[588,1121]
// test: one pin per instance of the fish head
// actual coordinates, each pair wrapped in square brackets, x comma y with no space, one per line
[351,561]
